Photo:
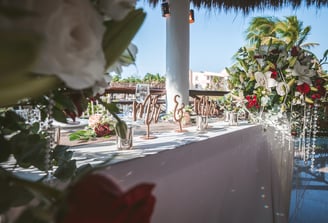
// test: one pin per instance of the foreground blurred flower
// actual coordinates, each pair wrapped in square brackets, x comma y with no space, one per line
[72,33]
[98,199]
[45,41]
[53,54]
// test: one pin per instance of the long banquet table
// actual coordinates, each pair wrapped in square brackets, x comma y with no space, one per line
[228,174]
[225,174]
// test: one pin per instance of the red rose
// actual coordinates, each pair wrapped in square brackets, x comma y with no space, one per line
[315,96]
[98,199]
[303,88]
[319,81]
[252,101]
[321,90]
[102,129]
[274,73]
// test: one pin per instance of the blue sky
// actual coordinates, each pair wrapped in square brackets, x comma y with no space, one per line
[214,37]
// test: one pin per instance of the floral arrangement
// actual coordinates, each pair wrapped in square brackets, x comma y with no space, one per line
[55,58]
[278,78]
[277,73]
[99,125]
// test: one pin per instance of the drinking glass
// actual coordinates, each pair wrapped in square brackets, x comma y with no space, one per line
[142,90]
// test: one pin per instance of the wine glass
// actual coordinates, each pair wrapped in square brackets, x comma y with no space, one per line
[142,90]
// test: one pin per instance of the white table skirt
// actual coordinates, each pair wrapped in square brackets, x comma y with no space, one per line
[231,175]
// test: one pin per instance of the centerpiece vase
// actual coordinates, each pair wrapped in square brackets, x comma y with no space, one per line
[201,122]
[125,143]
[226,115]
[233,118]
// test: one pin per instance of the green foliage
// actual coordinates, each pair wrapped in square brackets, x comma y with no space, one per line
[12,195]
[84,135]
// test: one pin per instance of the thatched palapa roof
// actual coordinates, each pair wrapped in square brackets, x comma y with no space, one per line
[250,5]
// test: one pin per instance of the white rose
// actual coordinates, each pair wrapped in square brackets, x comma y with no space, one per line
[117,9]
[72,47]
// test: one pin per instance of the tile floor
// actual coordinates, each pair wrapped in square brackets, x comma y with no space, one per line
[309,197]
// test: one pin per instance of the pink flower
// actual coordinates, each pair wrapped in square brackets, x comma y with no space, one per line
[94,120]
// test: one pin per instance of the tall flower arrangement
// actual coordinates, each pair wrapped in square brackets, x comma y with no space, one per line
[275,74]
[281,82]
[55,56]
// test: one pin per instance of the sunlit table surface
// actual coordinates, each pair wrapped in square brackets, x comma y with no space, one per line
[164,139]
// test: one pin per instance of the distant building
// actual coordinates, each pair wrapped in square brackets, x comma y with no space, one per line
[205,80]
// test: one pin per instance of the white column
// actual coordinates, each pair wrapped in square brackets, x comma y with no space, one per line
[177,53]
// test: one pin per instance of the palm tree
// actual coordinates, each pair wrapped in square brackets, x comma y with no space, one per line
[270,30]
[261,30]
[292,32]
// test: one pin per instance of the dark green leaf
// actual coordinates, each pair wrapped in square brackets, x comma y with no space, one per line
[35,128]
[63,100]
[19,196]
[111,107]
[59,115]
[5,149]
[12,121]
[34,215]
[66,170]
[61,155]
[29,150]
[5,201]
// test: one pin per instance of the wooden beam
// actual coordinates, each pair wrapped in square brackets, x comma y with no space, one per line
[195,93]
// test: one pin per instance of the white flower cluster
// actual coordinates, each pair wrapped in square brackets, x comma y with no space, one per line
[72,32]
